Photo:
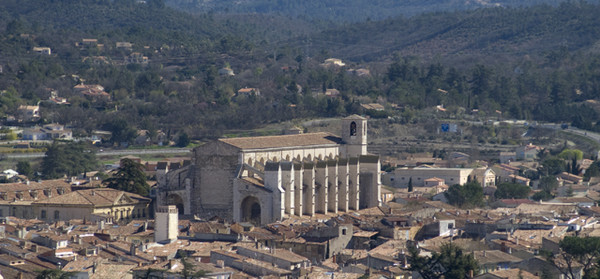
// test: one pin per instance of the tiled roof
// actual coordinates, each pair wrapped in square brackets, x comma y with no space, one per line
[283,141]
[93,197]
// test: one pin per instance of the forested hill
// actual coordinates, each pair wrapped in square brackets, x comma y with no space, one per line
[118,20]
[345,10]
[499,32]
[150,23]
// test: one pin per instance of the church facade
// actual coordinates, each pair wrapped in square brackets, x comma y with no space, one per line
[265,179]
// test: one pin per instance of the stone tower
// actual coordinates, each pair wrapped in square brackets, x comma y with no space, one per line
[354,136]
[166,223]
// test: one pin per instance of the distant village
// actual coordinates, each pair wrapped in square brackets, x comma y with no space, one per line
[299,205]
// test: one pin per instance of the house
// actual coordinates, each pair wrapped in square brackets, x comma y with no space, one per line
[47,132]
[16,199]
[386,195]
[507,157]
[570,178]
[373,106]
[94,92]
[89,42]
[248,91]
[527,153]
[485,176]
[335,62]
[226,72]
[83,204]
[136,58]
[332,93]
[494,260]
[28,113]
[55,99]
[503,171]
[42,50]
[125,45]
[518,179]
[360,72]
[400,177]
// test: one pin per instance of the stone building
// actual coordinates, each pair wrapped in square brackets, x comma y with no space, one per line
[265,179]
[91,204]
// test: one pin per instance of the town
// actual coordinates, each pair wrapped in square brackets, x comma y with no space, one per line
[299,139]
[307,205]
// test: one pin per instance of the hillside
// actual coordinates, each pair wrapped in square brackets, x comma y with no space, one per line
[538,63]
[340,11]
[469,35]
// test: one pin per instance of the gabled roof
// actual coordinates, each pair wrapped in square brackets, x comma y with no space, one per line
[283,141]
[95,197]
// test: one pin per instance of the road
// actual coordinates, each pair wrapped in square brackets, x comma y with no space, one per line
[106,153]
[554,126]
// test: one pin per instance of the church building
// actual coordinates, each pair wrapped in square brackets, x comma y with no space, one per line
[265,179]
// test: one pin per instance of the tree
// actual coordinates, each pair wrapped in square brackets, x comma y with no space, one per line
[121,131]
[410,186]
[592,171]
[183,140]
[53,274]
[468,195]
[67,159]
[24,168]
[129,177]
[548,184]
[542,195]
[577,251]
[189,271]
[511,191]
[569,154]
[553,166]
[451,262]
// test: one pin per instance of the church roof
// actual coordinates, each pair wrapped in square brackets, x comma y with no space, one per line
[283,141]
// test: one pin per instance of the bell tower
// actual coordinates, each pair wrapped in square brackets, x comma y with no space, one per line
[354,135]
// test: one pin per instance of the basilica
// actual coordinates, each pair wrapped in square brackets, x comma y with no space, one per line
[265,179]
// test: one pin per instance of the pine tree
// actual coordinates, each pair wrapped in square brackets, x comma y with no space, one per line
[129,177]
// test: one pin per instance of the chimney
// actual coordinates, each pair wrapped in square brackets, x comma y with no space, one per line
[93,193]
[132,249]
[94,266]
[484,253]
[221,264]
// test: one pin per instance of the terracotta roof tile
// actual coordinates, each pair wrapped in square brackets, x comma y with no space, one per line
[93,197]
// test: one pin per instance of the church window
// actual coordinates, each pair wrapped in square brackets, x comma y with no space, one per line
[353,128]
[56,214]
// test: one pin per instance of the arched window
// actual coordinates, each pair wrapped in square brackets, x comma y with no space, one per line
[353,128]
